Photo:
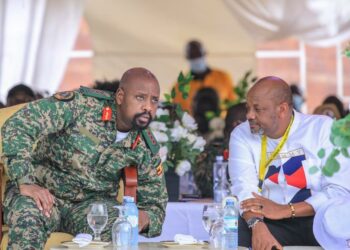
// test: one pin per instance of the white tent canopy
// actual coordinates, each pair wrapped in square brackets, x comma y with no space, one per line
[153,34]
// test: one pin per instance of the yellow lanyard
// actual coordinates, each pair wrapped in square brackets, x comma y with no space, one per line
[263,162]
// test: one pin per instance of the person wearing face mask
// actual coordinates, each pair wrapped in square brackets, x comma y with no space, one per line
[203,77]
[270,161]
[298,99]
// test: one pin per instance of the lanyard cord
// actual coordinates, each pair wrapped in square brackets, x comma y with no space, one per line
[263,162]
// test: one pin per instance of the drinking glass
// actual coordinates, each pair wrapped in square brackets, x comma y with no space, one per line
[211,213]
[97,218]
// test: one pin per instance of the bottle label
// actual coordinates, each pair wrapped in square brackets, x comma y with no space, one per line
[231,222]
[133,220]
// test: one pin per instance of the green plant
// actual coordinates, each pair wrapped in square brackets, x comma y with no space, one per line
[340,138]
[176,132]
[241,89]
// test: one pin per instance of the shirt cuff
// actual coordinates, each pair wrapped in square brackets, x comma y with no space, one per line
[27,179]
[316,200]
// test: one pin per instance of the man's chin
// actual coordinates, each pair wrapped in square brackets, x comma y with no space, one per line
[257,131]
[141,125]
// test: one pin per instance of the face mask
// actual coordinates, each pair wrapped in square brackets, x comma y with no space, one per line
[198,65]
[297,102]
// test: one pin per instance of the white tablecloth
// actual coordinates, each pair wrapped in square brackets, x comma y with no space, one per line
[181,218]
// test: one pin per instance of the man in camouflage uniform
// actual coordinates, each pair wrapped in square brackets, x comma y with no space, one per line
[61,156]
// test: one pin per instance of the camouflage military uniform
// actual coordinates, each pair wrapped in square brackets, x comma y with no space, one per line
[203,171]
[76,157]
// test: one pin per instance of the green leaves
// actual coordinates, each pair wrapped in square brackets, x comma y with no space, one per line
[241,89]
[179,111]
[347,50]
[345,152]
[340,138]
[184,84]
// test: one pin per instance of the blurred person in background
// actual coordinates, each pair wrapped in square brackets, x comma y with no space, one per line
[203,172]
[328,109]
[206,100]
[18,94]
[204,77]
[106,85]
[298,99]
[332,99]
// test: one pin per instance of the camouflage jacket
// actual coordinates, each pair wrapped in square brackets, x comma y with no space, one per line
[203,170]
[75,154]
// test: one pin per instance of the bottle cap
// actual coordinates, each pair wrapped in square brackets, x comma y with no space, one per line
[128,199]
[231,199]
[229,202]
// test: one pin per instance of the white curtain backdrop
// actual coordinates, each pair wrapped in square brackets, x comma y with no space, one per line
[317,22]
[36,38]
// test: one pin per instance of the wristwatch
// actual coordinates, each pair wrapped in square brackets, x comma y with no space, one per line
[253,221]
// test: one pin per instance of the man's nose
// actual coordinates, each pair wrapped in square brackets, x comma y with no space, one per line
[147,106]
[250,115]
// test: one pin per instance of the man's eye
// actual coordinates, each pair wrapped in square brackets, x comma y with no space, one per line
[155,100]
[140,98]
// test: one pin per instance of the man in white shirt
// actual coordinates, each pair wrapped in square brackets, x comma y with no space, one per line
[270,158]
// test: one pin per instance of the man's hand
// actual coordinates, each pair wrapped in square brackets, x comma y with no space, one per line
[42,197]
[262,239]
[266,207]
[143,220]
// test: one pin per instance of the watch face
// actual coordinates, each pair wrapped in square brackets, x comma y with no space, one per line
[253,221]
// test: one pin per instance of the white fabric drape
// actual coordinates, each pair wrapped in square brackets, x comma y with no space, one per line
[36,38]
[317,22]
[153,34]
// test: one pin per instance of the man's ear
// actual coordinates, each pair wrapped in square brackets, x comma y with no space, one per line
[119,96]
[284,109]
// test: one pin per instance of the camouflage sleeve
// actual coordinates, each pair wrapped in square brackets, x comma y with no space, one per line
[24,128]
[152,196]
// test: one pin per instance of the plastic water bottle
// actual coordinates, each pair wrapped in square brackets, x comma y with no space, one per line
[220,181]
[121,231]
[231,225]
[132,215]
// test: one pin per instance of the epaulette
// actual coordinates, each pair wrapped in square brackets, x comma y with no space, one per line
[64,96]
[100,94]
[150,140]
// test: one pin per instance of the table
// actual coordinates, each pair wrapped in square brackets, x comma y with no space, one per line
[181,218]
[147,246]
[159,246]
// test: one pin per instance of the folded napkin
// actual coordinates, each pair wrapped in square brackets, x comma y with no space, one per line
[184,239]
[82,239]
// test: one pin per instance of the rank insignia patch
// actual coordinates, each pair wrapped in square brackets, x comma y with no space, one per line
[64,96]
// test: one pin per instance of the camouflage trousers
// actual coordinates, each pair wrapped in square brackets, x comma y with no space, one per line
[30,229]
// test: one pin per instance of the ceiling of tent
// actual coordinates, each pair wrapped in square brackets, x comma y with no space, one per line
[153,34]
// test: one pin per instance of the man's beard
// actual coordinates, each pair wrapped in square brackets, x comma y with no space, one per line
[259,131]
[136,124]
